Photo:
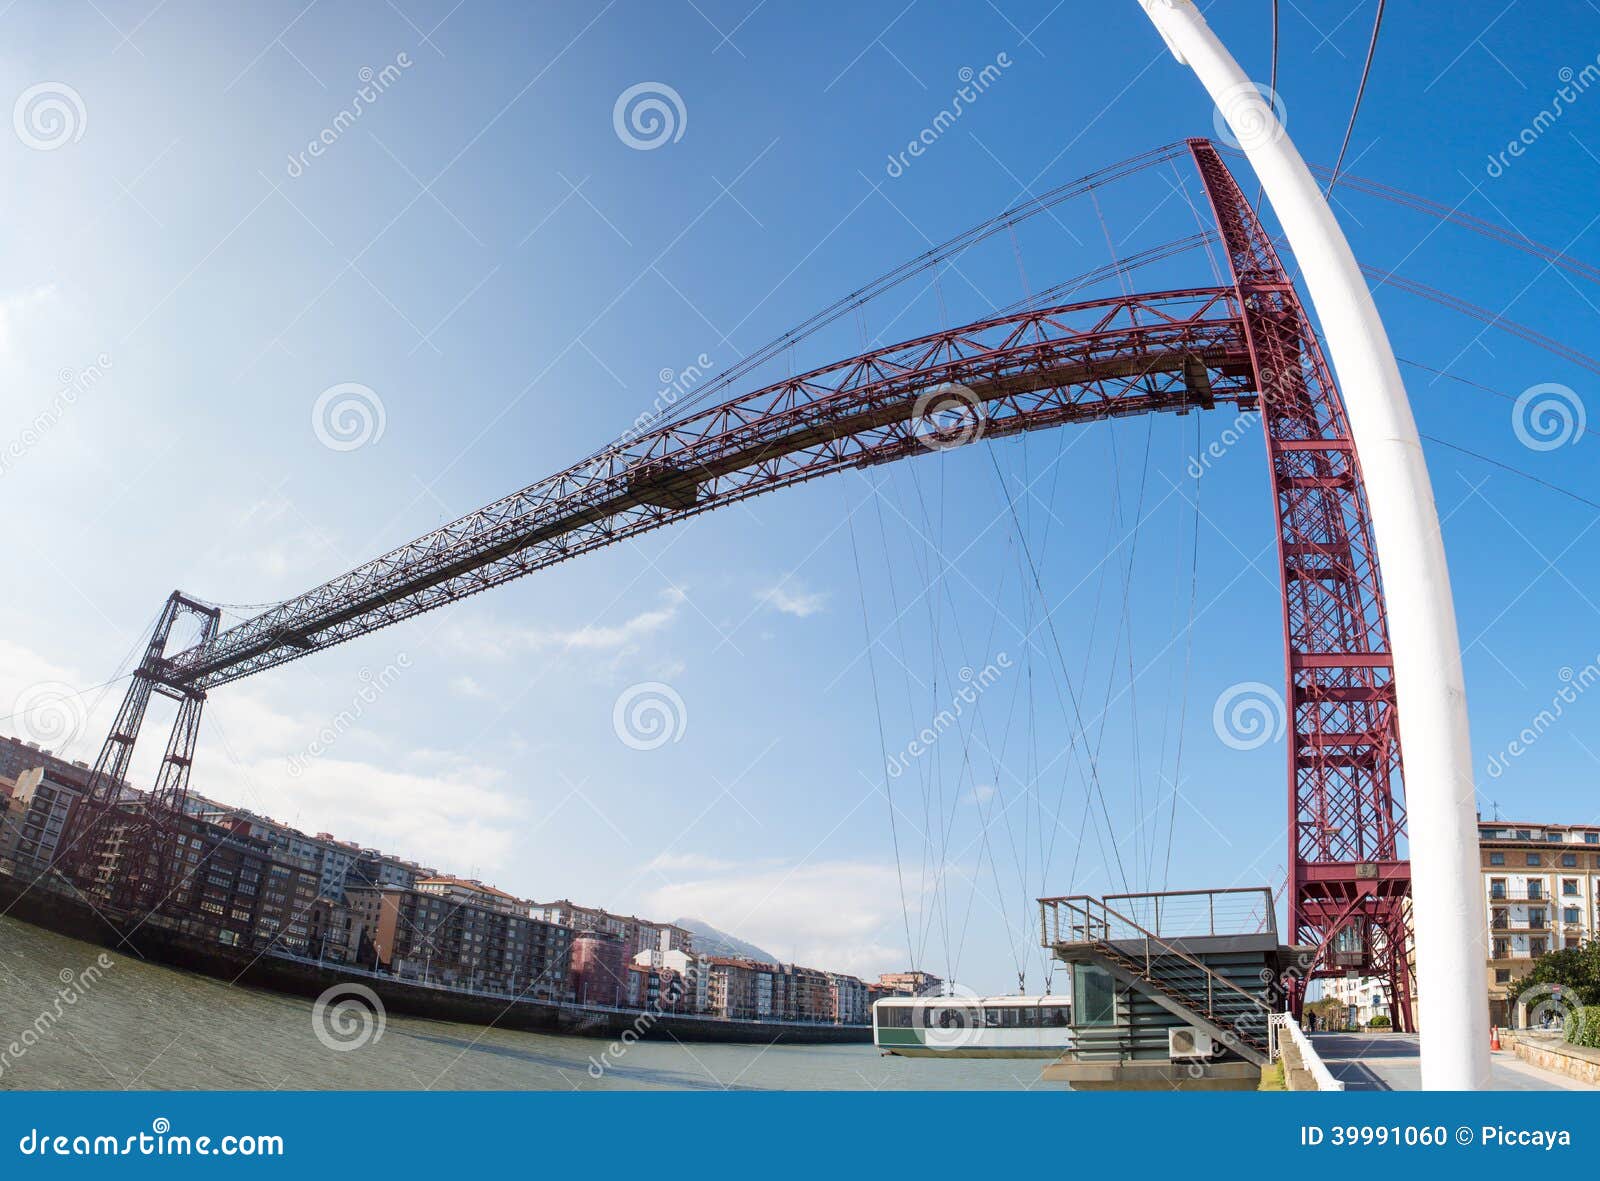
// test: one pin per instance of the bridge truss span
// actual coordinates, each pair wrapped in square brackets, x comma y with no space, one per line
[1134,354]
[1248,344]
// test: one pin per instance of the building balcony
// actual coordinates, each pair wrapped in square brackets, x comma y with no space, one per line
[1510,897]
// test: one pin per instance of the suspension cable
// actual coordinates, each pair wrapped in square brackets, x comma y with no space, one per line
[1361,90]
[931,257]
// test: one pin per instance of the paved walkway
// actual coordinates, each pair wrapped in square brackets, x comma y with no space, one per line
[1389,1062]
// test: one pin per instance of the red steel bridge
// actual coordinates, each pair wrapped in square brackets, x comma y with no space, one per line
[1246,344]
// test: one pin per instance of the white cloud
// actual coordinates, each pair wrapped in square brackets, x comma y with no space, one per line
[667,863]
[456,822]
[441,810]
[49,704]
[16,308]
[468,688]
[840,916]
[489,639]
[792,599]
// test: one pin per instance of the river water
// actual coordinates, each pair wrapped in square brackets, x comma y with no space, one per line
[147,1027]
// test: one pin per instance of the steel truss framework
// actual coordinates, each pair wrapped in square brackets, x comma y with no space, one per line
[1246,345]
[145,822]
[1348,887]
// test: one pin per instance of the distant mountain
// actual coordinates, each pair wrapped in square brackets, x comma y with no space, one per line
[710,941]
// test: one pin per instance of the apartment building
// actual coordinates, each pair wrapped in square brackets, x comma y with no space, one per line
[220,884]
[36,815]
[733,988]
[335,862]
[636,934]
[471,892]
[910,984]
[1363,998]
[692,972]
[847,999]
[598,971]
[1541,887]
[17,756]
[454,937]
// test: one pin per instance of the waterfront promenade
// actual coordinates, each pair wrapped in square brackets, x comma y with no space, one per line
[1389,1062]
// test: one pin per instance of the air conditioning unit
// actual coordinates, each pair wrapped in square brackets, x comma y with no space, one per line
[1185,1041]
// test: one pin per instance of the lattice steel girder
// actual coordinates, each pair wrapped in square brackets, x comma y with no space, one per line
[1344,758]
[1171,350]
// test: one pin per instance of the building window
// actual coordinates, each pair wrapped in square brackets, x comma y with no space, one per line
[1569,887]
[1591,838]
[1569,860]
[1533,859]
[1497,887]
[1502,975]
[1535,889]
[1536,947]
[1570,915]
[1502,949]
[1497,858]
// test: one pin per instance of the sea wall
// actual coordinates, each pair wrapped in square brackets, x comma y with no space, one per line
[75,918]
[1555,1054]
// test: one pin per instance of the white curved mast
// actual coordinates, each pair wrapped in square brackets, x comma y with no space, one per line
[1441,802]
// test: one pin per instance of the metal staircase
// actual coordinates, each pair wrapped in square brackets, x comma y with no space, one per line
[1215,975]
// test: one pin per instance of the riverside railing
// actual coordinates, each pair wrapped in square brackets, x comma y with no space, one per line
[1284,1025]
[1170,914]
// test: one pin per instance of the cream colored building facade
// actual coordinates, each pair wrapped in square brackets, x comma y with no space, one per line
[1541,886]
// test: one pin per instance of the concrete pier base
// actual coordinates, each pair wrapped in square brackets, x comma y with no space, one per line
[1154,1075]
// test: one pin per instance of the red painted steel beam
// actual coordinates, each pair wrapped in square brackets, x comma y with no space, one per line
[1028,370]
[1345,818]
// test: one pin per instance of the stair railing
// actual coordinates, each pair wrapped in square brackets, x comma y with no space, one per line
[1090,921]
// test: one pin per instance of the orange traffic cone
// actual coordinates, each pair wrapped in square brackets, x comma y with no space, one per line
[1494,1037]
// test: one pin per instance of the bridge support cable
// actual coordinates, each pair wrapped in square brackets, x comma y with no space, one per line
[883,745]
[932,259]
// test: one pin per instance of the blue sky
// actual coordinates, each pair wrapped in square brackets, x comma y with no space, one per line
[484,253]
